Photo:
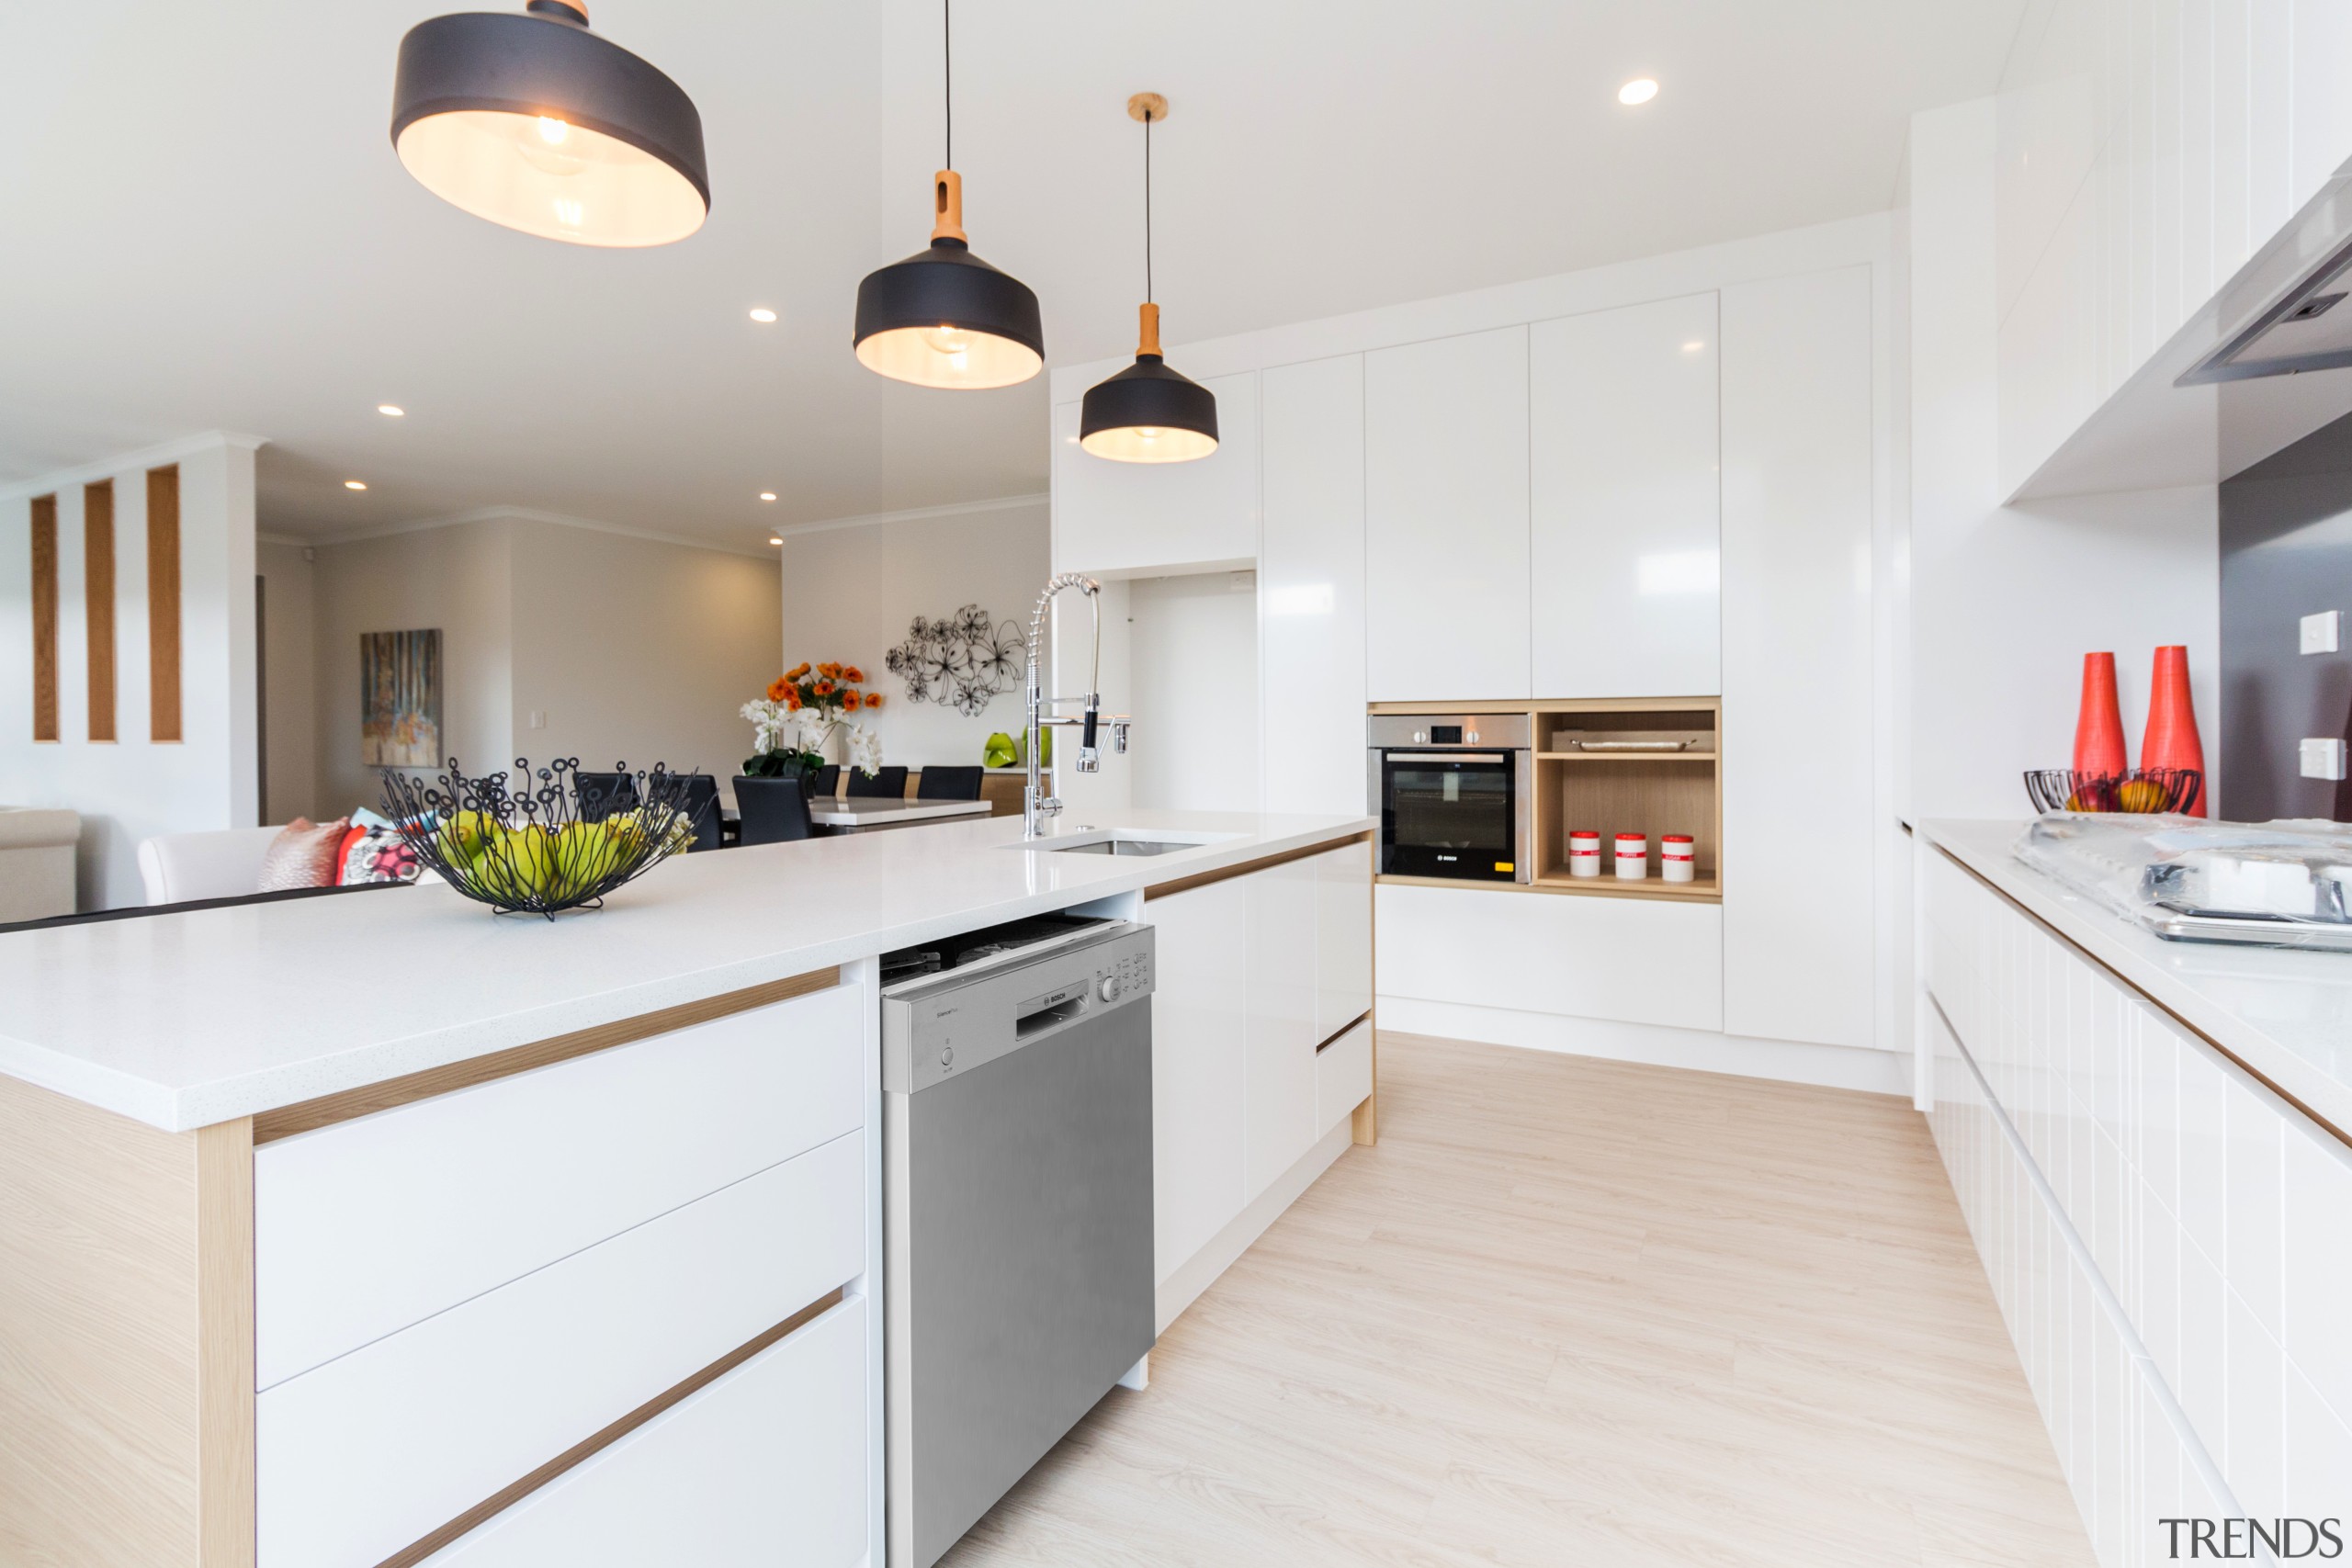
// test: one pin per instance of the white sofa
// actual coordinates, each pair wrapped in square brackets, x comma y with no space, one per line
[36,862]
[224,863]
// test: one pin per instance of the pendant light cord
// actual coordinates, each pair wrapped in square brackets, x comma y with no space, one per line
[947,73]
[1147,207]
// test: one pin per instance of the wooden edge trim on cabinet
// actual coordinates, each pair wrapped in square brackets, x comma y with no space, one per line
[309,1114]
[588,1448]
[2313,1117]
[1267,862]
[1363,1017]
[1364,1126]
[226,1408]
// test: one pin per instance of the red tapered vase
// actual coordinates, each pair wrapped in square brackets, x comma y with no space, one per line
[2171,740]
[2098,731]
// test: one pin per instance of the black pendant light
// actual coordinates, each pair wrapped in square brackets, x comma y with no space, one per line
[944,317]
[529,119]
[1148,414]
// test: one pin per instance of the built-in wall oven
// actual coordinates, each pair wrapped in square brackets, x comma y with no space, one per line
[1456,795]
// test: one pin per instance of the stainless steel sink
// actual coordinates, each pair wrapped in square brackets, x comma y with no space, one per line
[1120,841]
[1124,847]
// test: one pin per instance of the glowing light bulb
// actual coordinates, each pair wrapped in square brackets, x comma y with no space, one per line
[552,131]
[950,342]
[1148,432]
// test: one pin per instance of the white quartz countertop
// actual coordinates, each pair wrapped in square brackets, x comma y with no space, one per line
[182,1021]
[2285,1016]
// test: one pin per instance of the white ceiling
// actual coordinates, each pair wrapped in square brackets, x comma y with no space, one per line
[205,226]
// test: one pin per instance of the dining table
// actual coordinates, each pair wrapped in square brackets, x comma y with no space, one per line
[869,814]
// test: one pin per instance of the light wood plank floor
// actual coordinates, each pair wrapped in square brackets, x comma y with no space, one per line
[1574,1312]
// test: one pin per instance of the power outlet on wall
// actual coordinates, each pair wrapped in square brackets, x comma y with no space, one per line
[538,719]
[2322,633]
[2322,759]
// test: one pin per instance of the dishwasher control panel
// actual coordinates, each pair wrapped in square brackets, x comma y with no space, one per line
[945,1025]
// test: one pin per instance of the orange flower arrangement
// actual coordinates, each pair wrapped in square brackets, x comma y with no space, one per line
[823,688]
[830,691]
[872,700]
[851,701]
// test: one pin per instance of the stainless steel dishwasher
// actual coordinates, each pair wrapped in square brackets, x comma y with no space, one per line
[1017,1224]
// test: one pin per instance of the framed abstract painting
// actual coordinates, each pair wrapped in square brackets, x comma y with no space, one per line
[400,699]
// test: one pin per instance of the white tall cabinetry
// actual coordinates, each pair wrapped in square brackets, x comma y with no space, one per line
[1624,511]
[1798,882]
[1311,585]
[1446,518]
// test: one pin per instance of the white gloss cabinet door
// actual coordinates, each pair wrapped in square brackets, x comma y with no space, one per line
[1278,1095]
[1311,586]
[765,1465]
[1137,519]
[1623,500]
[1199,1031]
[1343,938]
[1446,518]
[1796,666]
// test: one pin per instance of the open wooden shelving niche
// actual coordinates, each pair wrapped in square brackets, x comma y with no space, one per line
[1612,791]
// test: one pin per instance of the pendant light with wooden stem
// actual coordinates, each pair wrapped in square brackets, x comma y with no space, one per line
[942,317]
[1148,414]
[529,119]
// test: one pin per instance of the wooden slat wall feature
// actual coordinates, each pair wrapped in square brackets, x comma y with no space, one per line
[126,1286]
[1225,874]
[164,604]
[588,1448]
[44,566]
[97,602]
[284,1122]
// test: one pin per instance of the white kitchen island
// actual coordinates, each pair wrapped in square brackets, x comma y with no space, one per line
[386,1230]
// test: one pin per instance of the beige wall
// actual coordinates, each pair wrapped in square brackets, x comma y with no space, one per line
[457,579]
[624,648]
[289,682]
[636,650]
[849,593]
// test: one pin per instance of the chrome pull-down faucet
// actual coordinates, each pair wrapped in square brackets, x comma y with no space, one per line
[1036,806]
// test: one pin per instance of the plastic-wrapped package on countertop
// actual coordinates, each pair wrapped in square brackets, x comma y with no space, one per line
[2285,884]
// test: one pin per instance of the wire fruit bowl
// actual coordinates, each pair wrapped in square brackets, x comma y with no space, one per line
[2140,792]
[562,844]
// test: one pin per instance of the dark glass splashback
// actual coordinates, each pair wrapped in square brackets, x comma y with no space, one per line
[2286,553]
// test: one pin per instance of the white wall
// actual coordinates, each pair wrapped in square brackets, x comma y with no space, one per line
[134,788]
[626,648]
[458,579]
[1193,643]
[2005,601]
[289,681]
[850,591]
[637,650]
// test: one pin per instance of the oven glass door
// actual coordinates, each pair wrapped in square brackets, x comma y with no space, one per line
[1448,815]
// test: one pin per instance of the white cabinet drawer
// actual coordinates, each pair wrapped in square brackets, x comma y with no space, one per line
[370,1452]
[765,1465]
[1637,960]
[365,1227]
[1343,938]
[1342,1076]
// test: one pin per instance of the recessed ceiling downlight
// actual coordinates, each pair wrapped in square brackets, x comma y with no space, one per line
[762,315]
[355,484]
[392,411]
[767,495]
[531,121]
[1640,90]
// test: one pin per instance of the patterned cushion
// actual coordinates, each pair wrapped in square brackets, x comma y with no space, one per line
[304,854]
[376,854]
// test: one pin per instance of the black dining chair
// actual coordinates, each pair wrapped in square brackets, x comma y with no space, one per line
[601,795]
[948,783]
[888,782]
[702,802]
[770,811]
[828,781]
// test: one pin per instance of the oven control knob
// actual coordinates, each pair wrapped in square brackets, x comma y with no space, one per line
[1420,738]
[947,1057]
[1472,737]
[1111,987]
